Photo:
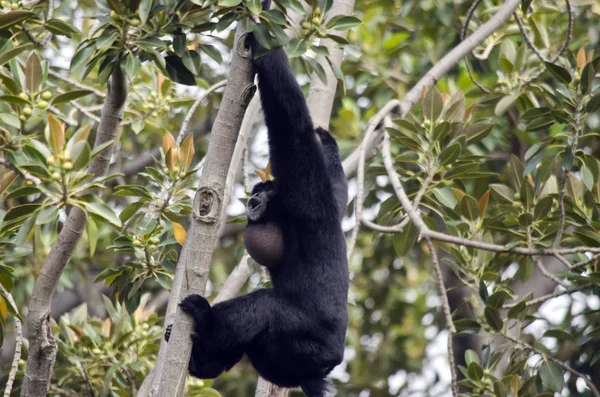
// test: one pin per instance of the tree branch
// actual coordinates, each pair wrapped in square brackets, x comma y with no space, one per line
[42,346]
[190,113]
[18,343]
[194,261]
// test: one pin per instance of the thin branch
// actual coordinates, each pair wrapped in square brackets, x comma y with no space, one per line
[585,262]
[235,281]
[547,274]
[47,34]
[577,129]
[439,279]
[358,207]
[26,175]
[76,83]
[544,298]
[564,366]
[563,260]
[463,34]
[67,120]
[190,113]
[18,343]
[538,53]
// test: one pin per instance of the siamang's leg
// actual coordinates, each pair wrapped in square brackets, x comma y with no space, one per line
[335,170]
[205,365]
[231,324]
[223,331]
[297,160]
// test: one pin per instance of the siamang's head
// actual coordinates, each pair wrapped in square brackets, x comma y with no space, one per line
[257,205]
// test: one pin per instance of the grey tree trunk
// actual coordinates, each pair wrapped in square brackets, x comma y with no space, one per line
[42,345]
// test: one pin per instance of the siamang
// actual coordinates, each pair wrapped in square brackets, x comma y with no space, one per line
[293,333]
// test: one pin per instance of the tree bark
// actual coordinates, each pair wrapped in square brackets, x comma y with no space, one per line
[42,345]
[194,261]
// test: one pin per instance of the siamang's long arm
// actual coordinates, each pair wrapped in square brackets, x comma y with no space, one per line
[297,159]
[335,170]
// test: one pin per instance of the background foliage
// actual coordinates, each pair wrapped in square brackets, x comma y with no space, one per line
[514,164]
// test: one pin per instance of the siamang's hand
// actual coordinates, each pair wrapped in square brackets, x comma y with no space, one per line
[195,305]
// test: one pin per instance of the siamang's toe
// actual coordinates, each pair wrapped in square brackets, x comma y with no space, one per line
[194,304]
[168,332]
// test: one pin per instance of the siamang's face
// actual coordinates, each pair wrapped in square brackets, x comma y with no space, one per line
[257,205]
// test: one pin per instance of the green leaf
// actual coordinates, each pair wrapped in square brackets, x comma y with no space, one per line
[542,208]
[178,72]
[22,192]
[552,376]
[471,357]
[212,52]
[21,211]
[504,104]
[496,300]
[405,240]
[100,148]
[450,154]
[539,124]
[229,3]
[208,392]
[46,215]
[262,36]
[592,105]
[587,77]
[433,104]
[83,157]
[465,324]
[10,120]
[535,113]
[104,211]
[144,10]
[254,6]
[10,54]
[559,72]
[14,17]
[341,22]
[474,371]
[92,235]
[13,99]
[130,210]
[493,318]
[131,65]
[61,28]
[469,208]
[559,334]
[33,74]
[70,96]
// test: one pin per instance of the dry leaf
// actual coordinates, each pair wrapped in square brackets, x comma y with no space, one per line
[106,328]
[3,308]
[186,154]
[261,175]
[179,232]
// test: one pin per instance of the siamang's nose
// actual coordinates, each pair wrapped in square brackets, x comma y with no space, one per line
[253,202]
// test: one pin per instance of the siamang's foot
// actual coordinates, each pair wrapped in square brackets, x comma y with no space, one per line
[168,332]
[325,136]
[195,305]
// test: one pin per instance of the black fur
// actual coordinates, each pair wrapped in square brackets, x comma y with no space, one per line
[293,333]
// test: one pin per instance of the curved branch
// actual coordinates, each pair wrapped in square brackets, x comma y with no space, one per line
[193,108]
